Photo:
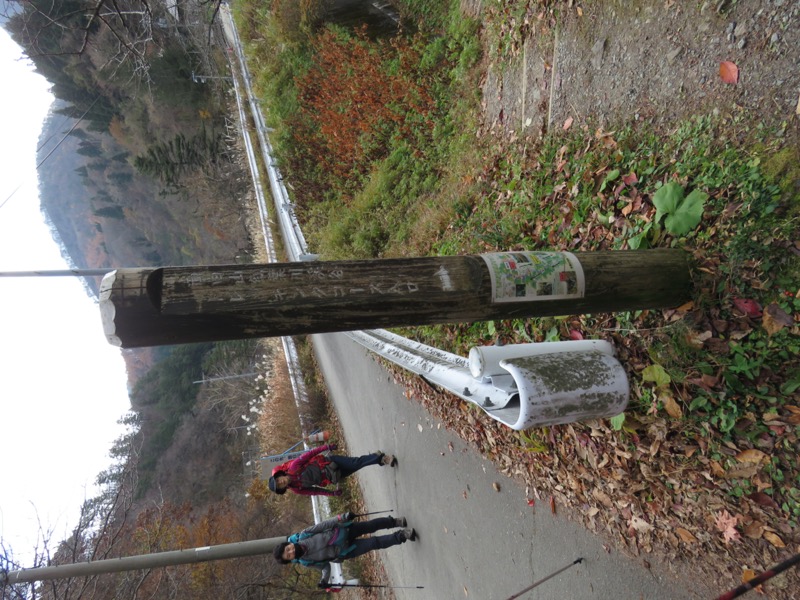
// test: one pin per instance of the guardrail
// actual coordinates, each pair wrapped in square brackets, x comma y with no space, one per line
[319,505]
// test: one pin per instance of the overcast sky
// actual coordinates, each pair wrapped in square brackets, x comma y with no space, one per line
[62,386]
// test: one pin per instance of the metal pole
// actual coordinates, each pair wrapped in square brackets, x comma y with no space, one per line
[541,581]
[375,512]
[225,377]
[367,585]
[760,578]
[57,273]
[144,561]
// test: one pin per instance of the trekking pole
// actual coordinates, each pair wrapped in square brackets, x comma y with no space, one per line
[541,581]
[761,578]
[367,585]
[318,435]
[375,512]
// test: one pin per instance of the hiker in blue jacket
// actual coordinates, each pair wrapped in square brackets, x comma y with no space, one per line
[338,539]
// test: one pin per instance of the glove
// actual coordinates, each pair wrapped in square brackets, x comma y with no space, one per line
[323,585]
[332,447]
[346,516]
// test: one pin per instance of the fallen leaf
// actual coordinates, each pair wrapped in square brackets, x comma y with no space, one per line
[797,110]
[749,307]
[752,456]
[686,535]
[729,72]
[747,575]
[568,123]
[754,530]
[630,179]
[774,539]
[707,382]
[744,471]
[602,497]
[419,427]
[656,374]
[579,10]
[726,524]
[574,334]
[672,407]
[775,319]
[640,525]
[496,486]
[552,505]
[696,340]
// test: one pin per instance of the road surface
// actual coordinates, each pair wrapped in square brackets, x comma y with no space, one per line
[474,542]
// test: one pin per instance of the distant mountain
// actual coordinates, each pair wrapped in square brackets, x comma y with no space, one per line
[106,214]
[183,202]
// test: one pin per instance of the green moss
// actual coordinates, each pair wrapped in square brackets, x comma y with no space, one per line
[783,169]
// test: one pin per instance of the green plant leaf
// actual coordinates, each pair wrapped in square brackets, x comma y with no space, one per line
[640,240]
[688,214]
[698,403]
[657,375]
[612,175]
[618,421]
[666,199]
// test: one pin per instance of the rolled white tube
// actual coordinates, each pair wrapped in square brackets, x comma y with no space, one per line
[485,360]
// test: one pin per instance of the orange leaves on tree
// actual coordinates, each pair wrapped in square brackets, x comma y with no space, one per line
[728,72]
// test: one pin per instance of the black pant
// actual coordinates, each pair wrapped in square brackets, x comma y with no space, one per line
[378,542]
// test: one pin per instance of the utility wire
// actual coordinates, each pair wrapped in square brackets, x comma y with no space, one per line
[66,135]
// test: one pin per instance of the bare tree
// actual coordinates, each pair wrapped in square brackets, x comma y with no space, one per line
[118,36]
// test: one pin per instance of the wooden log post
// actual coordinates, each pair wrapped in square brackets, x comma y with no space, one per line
[179,305]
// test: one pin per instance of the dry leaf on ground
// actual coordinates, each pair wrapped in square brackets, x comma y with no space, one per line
[775,319]
[752,456]
[686,535]
[672,407]
[726,523]
[729,72]
[774,539]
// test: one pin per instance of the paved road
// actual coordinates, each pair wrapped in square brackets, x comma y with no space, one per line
[474,542]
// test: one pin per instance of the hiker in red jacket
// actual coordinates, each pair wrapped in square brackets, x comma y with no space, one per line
[312,471]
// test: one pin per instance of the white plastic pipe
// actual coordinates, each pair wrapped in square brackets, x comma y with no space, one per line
[484,361]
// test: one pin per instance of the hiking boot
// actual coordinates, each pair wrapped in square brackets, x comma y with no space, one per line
[388,459]
[408,535]
[400,522]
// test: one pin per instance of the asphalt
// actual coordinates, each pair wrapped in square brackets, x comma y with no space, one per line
[474,541]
